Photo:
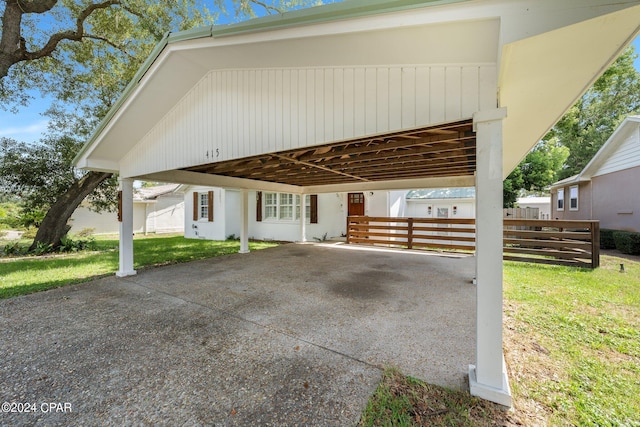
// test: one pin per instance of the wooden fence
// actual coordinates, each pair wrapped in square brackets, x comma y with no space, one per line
[574,243]
[430,233]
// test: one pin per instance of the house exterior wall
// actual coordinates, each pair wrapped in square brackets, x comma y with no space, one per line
[232,114]
[164,215]
[419,208]
[331,220]
[625,156]
[616,202]
[203,228]
[584,211]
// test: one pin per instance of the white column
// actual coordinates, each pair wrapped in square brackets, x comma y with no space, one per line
[488,378]
[126,229]
[303,218]
[244,225]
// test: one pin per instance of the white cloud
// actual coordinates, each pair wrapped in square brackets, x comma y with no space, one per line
[29,132]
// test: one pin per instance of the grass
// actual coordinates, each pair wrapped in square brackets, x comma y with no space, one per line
[405,401]
[31,274]
[573,339]
[572,344]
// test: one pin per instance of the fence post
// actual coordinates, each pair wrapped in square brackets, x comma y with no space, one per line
[595,244]
[348,230]
[410,233]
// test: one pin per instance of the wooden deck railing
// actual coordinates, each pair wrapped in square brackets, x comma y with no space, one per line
[573,243]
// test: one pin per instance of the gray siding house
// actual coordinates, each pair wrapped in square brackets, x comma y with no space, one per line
[607,188]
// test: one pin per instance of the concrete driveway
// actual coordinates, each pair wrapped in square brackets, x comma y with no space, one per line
[294,335]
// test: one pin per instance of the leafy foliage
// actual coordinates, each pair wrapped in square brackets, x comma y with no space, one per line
[627,242]
[536,172]
[580,133]
[592,120]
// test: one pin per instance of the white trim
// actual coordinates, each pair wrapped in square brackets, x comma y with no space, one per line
[558,208]
[571,208]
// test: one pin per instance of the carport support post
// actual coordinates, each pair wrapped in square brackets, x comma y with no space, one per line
[488,378]
[126,228]
[244,225]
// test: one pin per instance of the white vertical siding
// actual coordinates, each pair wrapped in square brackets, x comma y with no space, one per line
[627,155]
[237,113]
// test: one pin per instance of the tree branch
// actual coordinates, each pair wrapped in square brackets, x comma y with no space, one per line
[267,7]
[110,43]
[36,6]
[72,35]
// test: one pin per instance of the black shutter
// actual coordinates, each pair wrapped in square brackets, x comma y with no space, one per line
[313,202]
[259,206]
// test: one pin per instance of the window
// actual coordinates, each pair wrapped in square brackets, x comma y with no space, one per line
[286,207]
[573,198]
[204,206]
[560,206]
[271,206]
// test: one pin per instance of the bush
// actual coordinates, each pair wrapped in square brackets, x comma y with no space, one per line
[14,248]
[69,245]
[606,239]
[627,242]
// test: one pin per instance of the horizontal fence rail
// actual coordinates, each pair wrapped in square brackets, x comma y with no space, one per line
[413,233]
[559,242]
[573,243]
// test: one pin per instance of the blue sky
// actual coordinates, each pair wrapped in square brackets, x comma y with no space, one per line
[29,123]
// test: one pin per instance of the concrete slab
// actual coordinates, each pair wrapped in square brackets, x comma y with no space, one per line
[294,335]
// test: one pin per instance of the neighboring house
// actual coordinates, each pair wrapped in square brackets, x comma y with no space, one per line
[442,203]
[607,188]
[157,209]
[543,204]
[213,213]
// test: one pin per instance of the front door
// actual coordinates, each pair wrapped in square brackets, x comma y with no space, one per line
[356,204]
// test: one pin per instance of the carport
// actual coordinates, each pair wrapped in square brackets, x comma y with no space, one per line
[362,96]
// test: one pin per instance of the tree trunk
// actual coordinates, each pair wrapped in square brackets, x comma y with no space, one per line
[54,225]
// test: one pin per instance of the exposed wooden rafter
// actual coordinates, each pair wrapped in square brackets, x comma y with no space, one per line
[436,151]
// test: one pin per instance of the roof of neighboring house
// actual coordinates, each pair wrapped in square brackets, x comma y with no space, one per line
[614,142]
[152,193]
[443,193]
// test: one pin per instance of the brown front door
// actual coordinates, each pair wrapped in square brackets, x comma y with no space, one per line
[356,204]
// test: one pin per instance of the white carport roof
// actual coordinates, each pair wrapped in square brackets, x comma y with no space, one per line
[547,52]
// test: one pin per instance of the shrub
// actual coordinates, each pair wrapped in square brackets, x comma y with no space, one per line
[14,248]
[42,248]
[606,239]
[69,245]
[627,242]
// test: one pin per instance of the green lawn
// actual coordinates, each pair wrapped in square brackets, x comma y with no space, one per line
[574,336]
[32,274]
[572,345]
